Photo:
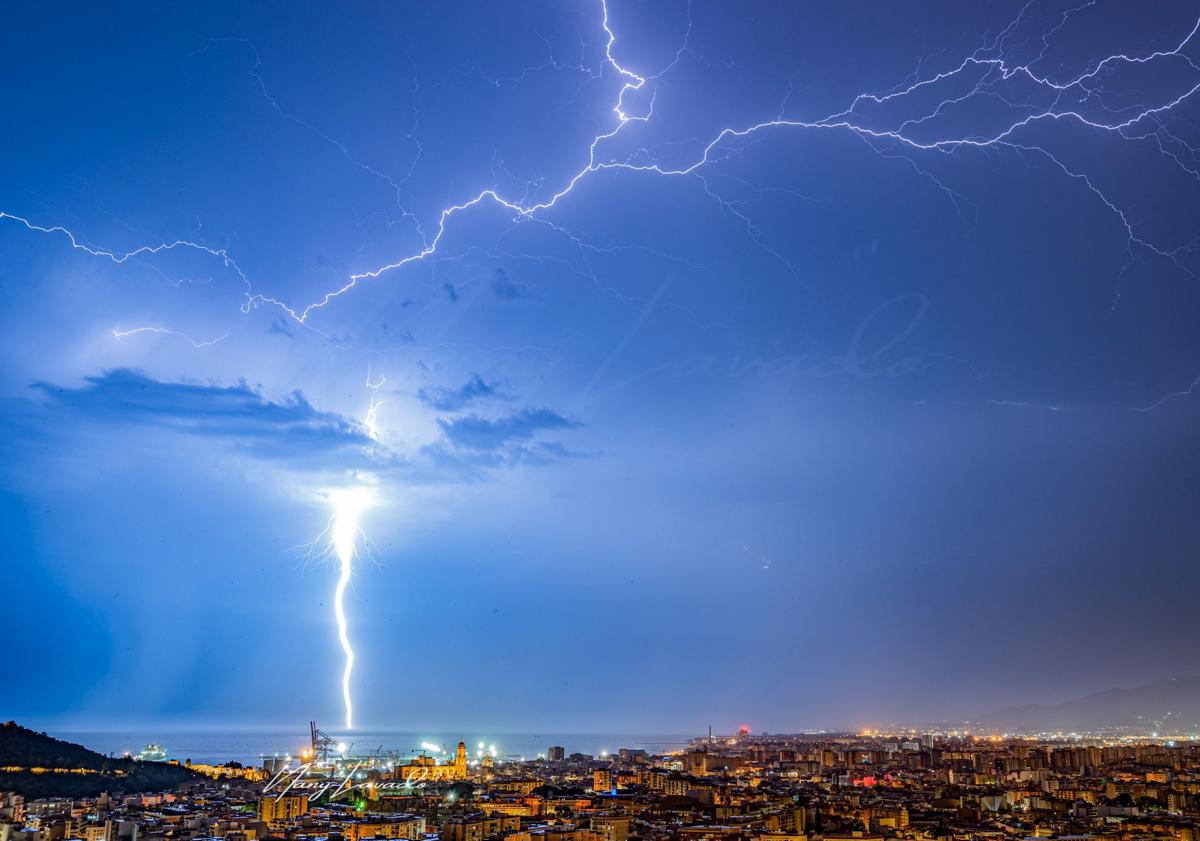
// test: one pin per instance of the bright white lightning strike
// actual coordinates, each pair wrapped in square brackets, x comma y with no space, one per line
[348,507]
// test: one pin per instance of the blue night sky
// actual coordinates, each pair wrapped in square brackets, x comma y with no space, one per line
[840,375]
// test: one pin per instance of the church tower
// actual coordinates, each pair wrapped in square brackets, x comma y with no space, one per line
[460,757]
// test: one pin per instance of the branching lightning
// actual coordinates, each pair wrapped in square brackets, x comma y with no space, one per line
[370,420]
[994,71]
[340,542]
[342,535]
[989,73]
[989,64]
[122,334]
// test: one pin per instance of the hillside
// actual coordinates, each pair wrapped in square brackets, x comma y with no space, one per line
[1166,706]
[37,765]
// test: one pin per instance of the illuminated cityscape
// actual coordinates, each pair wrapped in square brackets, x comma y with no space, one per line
[745,787]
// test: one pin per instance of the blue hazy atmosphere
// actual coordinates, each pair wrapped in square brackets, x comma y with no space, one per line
[783,364]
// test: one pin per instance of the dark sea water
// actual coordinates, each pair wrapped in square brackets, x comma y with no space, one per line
[215,746]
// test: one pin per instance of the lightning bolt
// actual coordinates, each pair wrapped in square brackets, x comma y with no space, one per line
[370,420]
[1077,98]
[343,532]
[994,70]
[988,62]
[123,257]
[122,334]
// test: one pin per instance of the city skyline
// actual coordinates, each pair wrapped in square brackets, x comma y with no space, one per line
[737,787]
[653,366]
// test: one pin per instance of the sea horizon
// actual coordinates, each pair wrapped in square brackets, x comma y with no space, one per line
[249,746]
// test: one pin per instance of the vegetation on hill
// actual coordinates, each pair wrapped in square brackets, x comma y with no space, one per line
[36,765]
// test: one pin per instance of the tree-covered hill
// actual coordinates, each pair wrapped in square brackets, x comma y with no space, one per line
[37,765]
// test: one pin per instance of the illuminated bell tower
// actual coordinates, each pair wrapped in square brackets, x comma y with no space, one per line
[460,757]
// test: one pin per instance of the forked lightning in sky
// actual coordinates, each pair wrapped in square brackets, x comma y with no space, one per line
[1066,98]
[987,77]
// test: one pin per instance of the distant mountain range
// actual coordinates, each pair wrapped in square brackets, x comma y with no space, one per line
[64,769]
[1168,707]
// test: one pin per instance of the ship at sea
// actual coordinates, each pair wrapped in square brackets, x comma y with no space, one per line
[153,752]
